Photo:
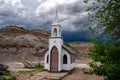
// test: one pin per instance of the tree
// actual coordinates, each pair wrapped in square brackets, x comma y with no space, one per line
[105,54]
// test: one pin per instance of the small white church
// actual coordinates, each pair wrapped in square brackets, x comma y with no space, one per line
[58,57]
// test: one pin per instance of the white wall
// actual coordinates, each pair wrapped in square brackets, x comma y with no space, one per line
[46,65]
[58,42]
[69,65]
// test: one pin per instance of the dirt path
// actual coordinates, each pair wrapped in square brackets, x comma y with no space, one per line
[78,74]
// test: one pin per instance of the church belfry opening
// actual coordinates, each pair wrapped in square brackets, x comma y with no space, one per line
[55,32]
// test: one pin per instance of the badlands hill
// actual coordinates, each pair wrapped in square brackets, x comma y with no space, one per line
[17,43]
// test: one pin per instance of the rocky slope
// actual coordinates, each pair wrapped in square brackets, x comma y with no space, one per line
[17,43]
[83,49]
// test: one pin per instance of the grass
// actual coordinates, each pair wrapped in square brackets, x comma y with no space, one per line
[6,72]
[7,75]
[39,67]
[25,72]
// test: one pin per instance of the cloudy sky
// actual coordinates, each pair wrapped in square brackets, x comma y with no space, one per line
[39,14]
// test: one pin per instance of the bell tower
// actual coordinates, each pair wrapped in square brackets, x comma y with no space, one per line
[56,27]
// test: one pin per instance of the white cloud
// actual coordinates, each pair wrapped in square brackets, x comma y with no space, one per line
[16,3]
[47,5]
[16,6]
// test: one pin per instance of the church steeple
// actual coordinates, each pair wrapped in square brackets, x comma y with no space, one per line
[56,17]
[56,27]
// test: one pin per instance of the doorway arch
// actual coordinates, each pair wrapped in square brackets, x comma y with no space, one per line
[54,59]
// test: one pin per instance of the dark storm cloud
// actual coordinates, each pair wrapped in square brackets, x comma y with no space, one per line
[81,22]
[82,36]
[78,7]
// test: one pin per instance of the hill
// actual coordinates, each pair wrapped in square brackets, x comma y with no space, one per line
[17,43]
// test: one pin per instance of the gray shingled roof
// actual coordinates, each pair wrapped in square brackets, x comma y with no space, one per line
[70,49]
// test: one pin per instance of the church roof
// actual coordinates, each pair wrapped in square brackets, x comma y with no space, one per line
[70,49]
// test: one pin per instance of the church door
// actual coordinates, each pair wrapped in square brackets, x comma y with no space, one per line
[54,59]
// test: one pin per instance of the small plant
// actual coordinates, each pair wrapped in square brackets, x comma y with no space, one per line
[6,72]
[25,72]
[31,74]
[39,67]
[7,75]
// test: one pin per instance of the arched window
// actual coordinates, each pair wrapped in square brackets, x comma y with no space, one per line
[55,32]
[64,59]
[47,58]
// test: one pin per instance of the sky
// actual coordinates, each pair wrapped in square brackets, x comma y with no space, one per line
[39,14]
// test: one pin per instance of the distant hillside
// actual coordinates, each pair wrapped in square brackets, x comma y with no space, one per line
[17,42]
[82,47]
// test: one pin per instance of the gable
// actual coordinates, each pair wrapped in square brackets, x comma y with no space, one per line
[70,50]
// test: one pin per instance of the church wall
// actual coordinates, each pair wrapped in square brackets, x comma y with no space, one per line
[58,43]
[46,65]
[69,65]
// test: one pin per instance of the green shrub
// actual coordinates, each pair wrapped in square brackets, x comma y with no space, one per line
[39,67]
[7,77]
[6,72]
